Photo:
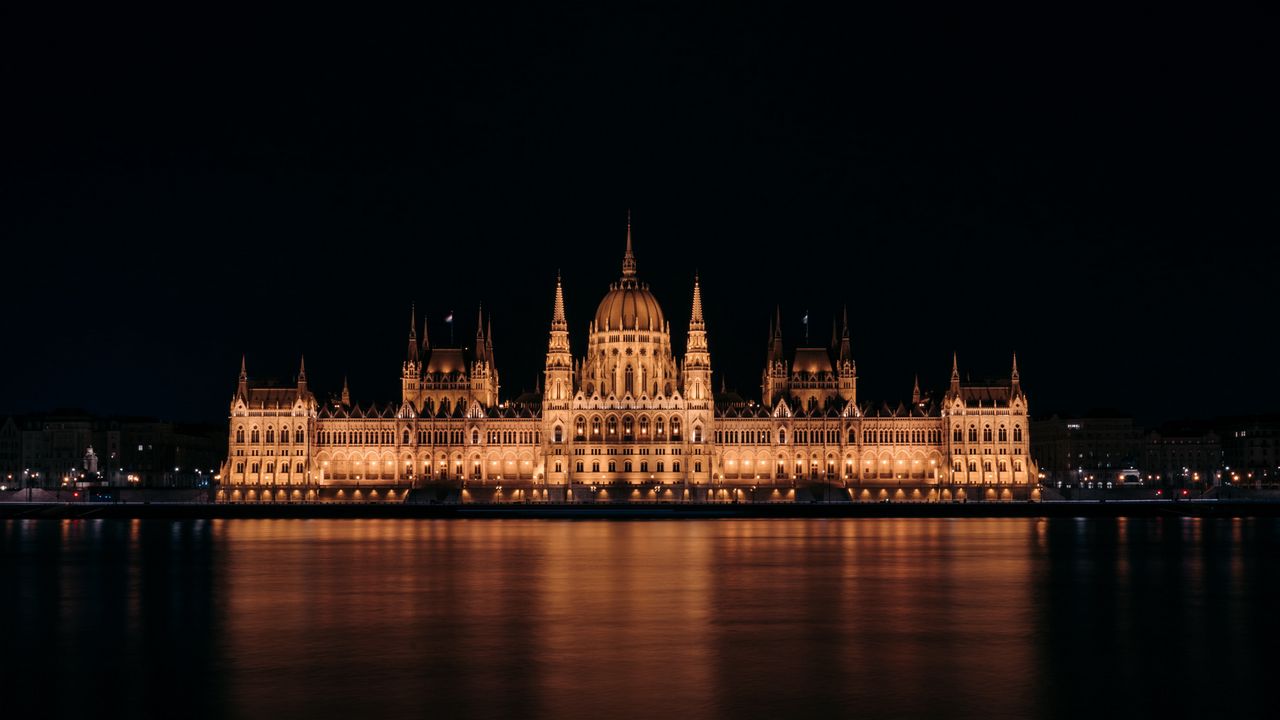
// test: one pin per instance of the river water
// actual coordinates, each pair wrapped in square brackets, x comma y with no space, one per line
[647,619]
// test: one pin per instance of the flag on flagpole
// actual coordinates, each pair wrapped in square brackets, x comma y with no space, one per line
[449,318]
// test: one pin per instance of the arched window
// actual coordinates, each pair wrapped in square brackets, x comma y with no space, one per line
[659,427]
[629,381]
[271,467]
[405,441]
[986,433]
[297,434]
[697,433]
[675,428]
[959,467]
[782,436]
[644,427]
[626,466]
[1017,433]
[557,434]
[253,435]
[577,467]
[644,466]
[628,426]
[298,468]
[595,426]
[612,423]
[240,434]
[271,435]
[613,466]
[659,466]
[253,467]
[239,467]
[1003,434]
[675,466]
[475,436]
[973,433]
[595,466]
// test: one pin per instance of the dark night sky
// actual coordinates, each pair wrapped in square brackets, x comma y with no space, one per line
[1095,192]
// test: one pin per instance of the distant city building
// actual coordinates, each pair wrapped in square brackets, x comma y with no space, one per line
[1251,449]
[71,447]
[628,421]
[1183,454]
[1098,448]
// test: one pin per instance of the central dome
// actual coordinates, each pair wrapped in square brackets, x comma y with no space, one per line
[629,305]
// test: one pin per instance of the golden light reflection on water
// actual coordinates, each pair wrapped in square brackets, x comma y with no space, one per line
[687,619]
[585,619]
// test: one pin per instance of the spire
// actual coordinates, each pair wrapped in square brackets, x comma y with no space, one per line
[242,388]
[775,353]
[1014,378]
[723,386]
[479,325]
[915,391]
[629,258]
[346,393]
[846,353]
[426,341]
[558,321]
[695,320]
[488,339]
[302,372]
[244,375]
[955,372]
[412,354]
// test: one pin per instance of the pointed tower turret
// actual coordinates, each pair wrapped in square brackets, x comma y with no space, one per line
[345,398]
[411,371]
[697,358]
[557,391]
[773,384]
[846,368]
[628,258]
[302,374]
[242,387]
[411,356]
[1014,380]
[915,392]
[955,374]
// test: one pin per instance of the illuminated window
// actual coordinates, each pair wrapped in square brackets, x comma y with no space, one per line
[253,436]
[1017,433]
[1003,434]
[240,434]
[973,433]
[957,435]
[986,433]
[557,434]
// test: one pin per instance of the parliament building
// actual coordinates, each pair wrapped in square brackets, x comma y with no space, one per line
[628,422]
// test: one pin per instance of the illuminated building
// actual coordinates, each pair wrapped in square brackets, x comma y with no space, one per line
[629,421]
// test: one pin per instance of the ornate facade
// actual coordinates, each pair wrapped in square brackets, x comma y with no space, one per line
[629,421]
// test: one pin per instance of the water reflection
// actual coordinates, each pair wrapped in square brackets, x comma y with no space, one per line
[736,618]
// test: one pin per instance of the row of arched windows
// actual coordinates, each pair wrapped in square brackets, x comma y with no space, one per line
[255,435]
[958,435]
[629,428]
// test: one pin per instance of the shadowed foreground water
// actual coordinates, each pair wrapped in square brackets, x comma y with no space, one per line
[590,619]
